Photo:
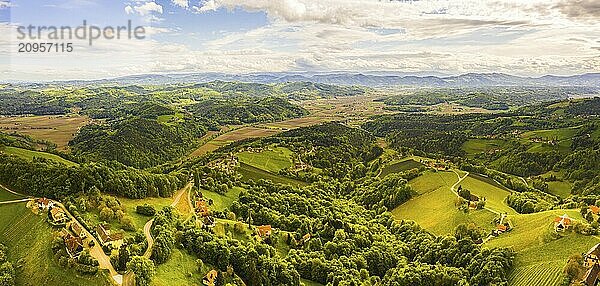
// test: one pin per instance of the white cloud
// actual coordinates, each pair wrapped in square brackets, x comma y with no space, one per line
[148,8]
[181,3]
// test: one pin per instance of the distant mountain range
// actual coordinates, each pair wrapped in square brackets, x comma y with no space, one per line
[372,80]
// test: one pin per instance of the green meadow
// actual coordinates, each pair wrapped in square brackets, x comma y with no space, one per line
[29,238]
[269,160]
[401,166]
[253,173]
[29,155]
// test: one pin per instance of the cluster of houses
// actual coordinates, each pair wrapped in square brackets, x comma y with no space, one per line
[210,278]
[106,237]
[591,261]
[226,164]
[552,142]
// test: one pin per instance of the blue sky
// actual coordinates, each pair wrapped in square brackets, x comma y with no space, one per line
[532,37]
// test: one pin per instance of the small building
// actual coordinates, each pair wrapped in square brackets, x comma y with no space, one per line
[591,276]
[77,229]
[210,278]
[201,208]
[473,198]
[594,209]
[106,237]
[561,223]
[264,230]
[58,215]
[592,257]
[501,228]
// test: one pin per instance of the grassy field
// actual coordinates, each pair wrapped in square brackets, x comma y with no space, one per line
[559,188]
[541,255]
[252,173]
[180,270]
[476,146]
[222,202]
[6,196]
[400,167]
[29,238]
[232,136]
[562,135]
[492,192]
[138,219]
[57,129]
[29,155]
[435,208]
[268,160]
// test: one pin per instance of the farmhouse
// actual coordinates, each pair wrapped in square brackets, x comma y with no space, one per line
[77,229]
[58,215]
[74,245]
[561,223]
[106,237]
[210,278]
[594,209]
[44,203]
[264,230]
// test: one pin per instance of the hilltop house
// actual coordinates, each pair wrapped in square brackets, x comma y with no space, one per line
[210,278]
[74,245]
[562,223]
[58,215]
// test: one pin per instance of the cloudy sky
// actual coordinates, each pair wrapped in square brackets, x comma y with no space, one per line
[524,37]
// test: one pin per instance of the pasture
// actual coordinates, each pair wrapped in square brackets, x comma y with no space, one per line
[7,196]
[222,201]
[56,129]
[29,155]
[272,160]
[187,272]
[477,146]
[29,239]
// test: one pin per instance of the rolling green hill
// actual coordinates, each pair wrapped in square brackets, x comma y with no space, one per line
[269,160]
[29,238]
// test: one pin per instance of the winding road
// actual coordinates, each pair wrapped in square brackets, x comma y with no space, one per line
[148,225]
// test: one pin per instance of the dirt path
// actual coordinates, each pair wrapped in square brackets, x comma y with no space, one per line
[15,201]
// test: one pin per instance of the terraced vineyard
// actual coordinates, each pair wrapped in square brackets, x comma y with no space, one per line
[543,274]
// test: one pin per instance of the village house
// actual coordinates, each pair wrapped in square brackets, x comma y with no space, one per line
[594,209]
[562,223]
[74,245]
[105,236]
[77,229]
[264,231]
[210,278]
[592,257]
[58,215]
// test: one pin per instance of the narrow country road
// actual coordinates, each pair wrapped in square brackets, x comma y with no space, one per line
[15,201]
[148,225]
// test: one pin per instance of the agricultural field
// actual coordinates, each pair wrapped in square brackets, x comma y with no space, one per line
[56,129]
[29,237]
[477,146]
[563,136]
[435,208]
[541,254]
[272,160]
[400,167]
[494,194]
[29,155]
[233,136]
